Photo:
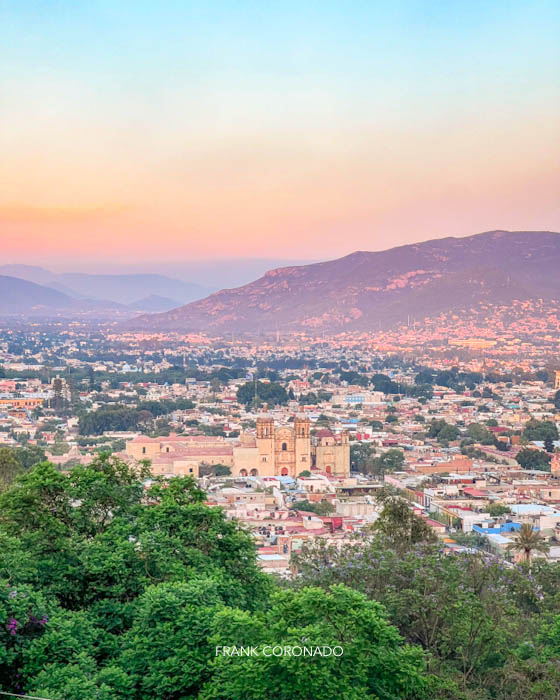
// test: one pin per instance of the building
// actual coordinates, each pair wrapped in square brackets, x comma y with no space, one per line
[288,450]
[285,450]
[28,402]
[180,456]
[557,379]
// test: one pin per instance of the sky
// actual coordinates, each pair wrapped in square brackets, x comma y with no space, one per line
[140,134]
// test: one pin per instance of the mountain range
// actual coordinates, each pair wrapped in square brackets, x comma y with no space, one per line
[79,291]
[369,290]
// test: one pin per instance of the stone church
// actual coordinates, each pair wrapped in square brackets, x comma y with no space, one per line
[288,450]
[285,450]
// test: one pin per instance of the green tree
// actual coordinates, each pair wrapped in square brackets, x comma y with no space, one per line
[390,461]
[442,431]
[167,652]
[375,662]
[530,458]
[10,467]
[398,524]
[30,455]
[540,430]
[480,434]
[320,508]
[264,392]
[362,457]
[497,509]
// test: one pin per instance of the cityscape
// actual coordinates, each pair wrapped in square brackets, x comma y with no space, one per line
[279,395]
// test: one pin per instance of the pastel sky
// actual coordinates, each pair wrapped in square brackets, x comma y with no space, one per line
[143,131]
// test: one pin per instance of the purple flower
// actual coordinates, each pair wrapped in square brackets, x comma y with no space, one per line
[12,626]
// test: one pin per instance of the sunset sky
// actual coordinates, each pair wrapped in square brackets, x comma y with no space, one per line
[143,132]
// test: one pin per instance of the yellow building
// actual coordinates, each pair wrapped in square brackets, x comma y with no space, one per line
[285,450]
[288,450]
[28,402]
[180,455]
[332,453]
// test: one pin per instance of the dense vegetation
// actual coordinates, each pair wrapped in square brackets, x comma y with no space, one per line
[110,592]
[258,393]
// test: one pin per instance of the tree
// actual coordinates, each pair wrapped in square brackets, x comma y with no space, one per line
[548,444]
[214,470]
[269,392]
[390,461]
[320,508]
[497,509]
[464,610]
[361,457]
[442,431]
[530,458]
[557,400]
[374,664]
[480,434]
[167,651]
[398,524]
[10,467]
[540,430]
[30,455]
[57,401]
[528,541]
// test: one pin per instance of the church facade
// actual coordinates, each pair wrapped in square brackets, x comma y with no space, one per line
[288,450]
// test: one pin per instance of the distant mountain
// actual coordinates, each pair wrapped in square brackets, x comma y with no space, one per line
[19,296]
[153,303]
[368,290]
[123,289]
[31,273]
[24,298]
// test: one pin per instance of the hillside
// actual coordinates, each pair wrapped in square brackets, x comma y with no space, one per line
[366,290]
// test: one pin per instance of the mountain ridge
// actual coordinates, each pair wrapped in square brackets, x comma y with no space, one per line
[126,288]
[364,289]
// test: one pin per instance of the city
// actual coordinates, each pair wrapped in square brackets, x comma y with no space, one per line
[279,350]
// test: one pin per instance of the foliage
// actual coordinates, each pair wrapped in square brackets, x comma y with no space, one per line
[442,431]
[10,467]
[375,662]
[497,509]
[361,457]
[530,458]
[114,417]
[540,430]
[85,549]
[478,621]
[320,508]
[390,461]
[265,392]
[528,541]
[118,587]
[480,434]
[398,524]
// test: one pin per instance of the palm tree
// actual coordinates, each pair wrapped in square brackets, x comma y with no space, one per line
[529,540]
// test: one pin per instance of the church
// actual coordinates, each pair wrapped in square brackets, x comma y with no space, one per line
[285,450]
[288,450]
